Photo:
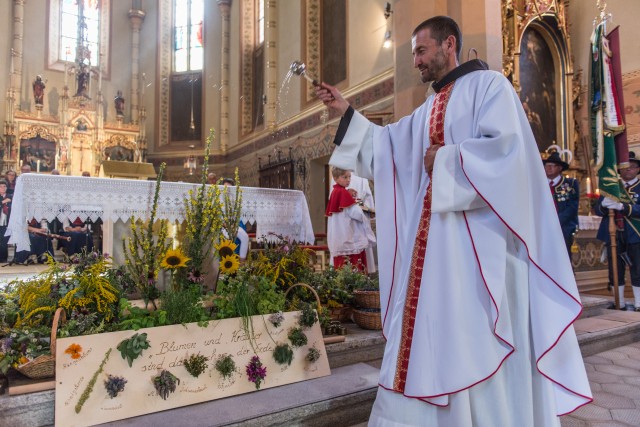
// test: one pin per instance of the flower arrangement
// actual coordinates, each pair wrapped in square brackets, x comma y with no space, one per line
[195,364]
[144,252]
[225,366]
[20,346]
[256,373]
[74,350]
[165,383]
[114,385]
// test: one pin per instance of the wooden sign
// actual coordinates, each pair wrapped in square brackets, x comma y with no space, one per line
[169,346]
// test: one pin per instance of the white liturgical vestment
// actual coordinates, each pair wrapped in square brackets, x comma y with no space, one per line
[497,300]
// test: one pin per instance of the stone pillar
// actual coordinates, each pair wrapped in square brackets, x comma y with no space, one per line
[136,16]
[225,13]
[17,49]
[271,70]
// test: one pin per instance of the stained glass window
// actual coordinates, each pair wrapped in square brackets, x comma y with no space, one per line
[188,17]
[69,29]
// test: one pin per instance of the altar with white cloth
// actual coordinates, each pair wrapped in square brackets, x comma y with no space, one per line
[282,212]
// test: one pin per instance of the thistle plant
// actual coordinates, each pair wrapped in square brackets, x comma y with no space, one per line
[144,252]
[203,213]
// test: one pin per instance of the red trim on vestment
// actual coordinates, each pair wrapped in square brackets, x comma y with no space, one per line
[340,199]
[418,255]
[550,278]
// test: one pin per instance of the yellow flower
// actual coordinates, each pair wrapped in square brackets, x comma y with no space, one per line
[226,248]
[22,360]
[229,264]
[75,350]
[174,259]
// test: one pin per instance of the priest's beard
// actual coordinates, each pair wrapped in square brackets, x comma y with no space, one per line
[435,69]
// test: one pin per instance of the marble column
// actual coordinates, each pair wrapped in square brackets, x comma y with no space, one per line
[17,49]
[271,70]
[225,13]
[136,16]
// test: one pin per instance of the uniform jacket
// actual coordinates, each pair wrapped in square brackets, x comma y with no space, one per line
[630,210]
[566,194]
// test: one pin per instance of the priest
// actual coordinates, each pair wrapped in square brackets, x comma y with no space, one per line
[477,293]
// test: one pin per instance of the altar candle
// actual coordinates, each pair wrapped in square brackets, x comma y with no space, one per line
[588,185]
[598,192]
[38,166]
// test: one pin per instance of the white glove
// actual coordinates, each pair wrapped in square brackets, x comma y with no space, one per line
[611,204]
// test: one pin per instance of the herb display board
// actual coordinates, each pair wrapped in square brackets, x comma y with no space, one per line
[78,359]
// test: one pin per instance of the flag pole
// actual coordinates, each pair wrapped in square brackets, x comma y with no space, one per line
[613,264]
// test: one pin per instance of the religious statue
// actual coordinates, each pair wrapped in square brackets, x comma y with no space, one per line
[83,81]
[38,90]
[119,103]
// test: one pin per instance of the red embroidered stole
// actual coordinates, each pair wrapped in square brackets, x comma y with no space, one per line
[436,136]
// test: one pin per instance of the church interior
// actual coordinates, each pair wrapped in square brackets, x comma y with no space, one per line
[146,81]
[116,88]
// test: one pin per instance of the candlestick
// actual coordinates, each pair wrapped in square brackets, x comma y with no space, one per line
[588,185]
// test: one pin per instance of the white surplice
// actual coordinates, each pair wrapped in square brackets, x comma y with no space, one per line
[498,296]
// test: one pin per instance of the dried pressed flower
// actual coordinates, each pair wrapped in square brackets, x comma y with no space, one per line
[74,350]
[313,355]
[276,319]
[195,364]
[174,258]
[225,365]
[297,337]
[165,383]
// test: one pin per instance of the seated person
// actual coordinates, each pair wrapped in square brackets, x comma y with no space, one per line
[80,235]
[5,211]
[40,244]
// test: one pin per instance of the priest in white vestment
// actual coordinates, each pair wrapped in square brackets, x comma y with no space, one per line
[478,297]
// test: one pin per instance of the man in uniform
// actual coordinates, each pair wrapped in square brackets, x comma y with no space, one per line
[627,232]
[566,195]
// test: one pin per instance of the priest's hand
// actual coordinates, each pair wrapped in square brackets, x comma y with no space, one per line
[332,98]
[611,204]
[430,158]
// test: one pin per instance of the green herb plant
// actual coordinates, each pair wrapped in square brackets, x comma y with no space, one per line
[313,355]
[225,365]
[195,364]
[136,318]
[297,337]
[165,383]
[308,316]
[283,354]
[92,382]
[131,348]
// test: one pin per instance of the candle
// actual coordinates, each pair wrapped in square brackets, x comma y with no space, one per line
[598,192]
[38,166]
[588,185]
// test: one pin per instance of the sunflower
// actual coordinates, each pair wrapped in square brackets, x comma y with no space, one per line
[174,259]
[75,350]
[226,248]
[229,264]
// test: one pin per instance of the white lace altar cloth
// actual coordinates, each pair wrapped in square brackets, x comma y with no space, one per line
[282,212]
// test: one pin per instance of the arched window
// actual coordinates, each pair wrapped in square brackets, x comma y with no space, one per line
[63,32]
[186,76]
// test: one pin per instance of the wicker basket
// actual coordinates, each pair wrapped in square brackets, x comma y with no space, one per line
[313,291]
[367,299]
[367,319]
[44,366]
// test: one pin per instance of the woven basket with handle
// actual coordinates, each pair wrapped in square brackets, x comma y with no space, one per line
[45,366]
[313,291]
